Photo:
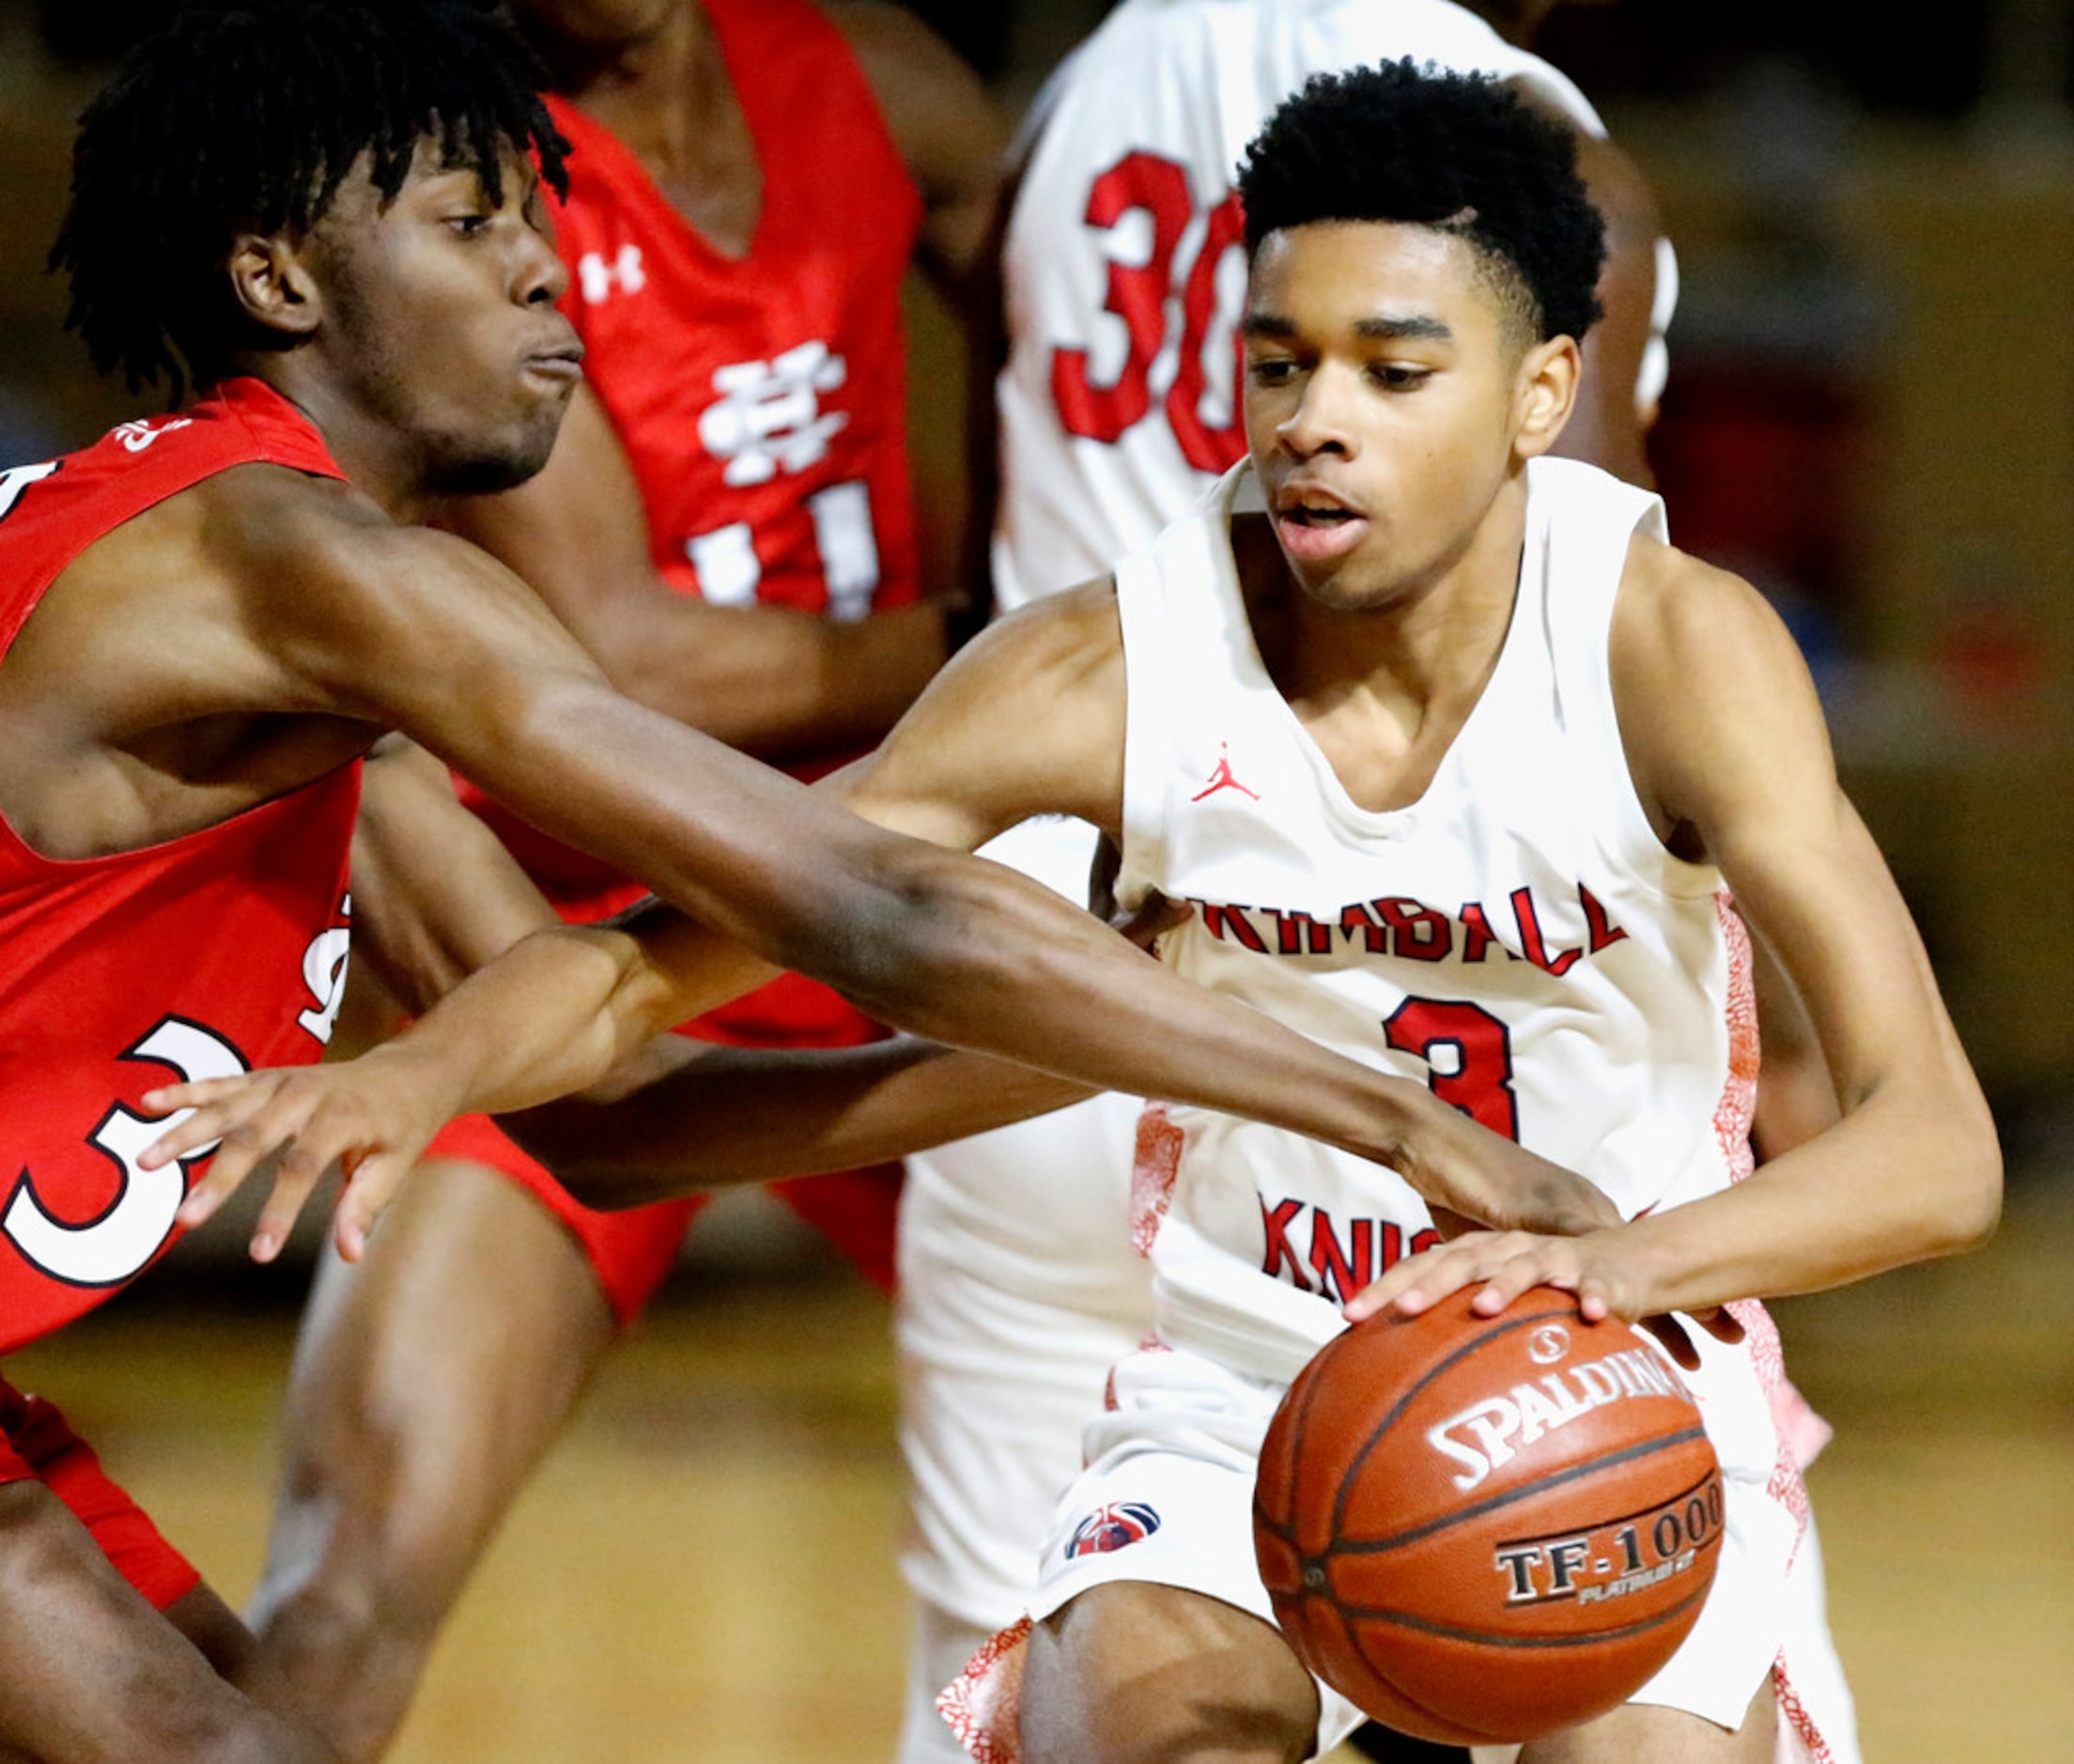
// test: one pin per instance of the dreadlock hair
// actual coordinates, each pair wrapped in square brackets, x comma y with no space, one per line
[248,114]
[1459,153]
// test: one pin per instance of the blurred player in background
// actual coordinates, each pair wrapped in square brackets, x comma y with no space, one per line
[726,524]
[1124,270]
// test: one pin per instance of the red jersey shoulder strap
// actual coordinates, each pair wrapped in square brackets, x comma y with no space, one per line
[802,87]
[50,513]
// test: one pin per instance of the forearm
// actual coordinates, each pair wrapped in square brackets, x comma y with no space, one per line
[554,1014]
[769,680]
[691,1115]
[1901,1178]
[1047,986]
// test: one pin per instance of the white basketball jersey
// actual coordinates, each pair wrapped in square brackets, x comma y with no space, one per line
[1518,939]
[1126,267]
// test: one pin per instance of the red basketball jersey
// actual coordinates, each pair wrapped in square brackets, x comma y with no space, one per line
[762,399]
[200,957]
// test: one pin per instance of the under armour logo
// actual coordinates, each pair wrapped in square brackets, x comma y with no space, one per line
[769,416]
[600,277]
[1222,779]
[136,436]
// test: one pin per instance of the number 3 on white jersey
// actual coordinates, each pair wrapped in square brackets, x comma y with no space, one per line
[110,1249]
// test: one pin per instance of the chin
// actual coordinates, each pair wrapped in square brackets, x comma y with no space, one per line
[486,467]
[1340,590]
[484,474]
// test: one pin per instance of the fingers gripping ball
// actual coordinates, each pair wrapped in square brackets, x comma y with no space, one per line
[1481,1529]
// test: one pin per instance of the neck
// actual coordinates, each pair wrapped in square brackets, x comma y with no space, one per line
[1431,643]
[378,460]
[645,69]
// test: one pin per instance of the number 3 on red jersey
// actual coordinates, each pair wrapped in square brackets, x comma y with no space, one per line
[132,1228]
[1185,260]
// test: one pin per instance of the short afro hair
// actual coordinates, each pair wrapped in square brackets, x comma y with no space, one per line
[1458,153]
[249,114]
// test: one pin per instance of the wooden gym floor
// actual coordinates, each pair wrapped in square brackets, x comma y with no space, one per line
[703,1570]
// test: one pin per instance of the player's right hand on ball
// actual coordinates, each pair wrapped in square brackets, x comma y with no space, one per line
[372,1117]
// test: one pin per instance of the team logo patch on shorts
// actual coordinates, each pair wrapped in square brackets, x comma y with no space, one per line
[1111,1527]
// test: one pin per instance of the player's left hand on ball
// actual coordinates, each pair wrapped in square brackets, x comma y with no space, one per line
[1504,1265]
[368,1116]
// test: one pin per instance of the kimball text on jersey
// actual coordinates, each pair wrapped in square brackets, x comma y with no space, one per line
[1409,930]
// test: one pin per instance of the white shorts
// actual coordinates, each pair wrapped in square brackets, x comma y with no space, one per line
[1020,1288]
[1167,1498]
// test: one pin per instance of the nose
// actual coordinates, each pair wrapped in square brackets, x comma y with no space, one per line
[1320,421]
[542,278]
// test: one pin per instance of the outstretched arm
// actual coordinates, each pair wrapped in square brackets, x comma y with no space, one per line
[1911,1169]
[437,897]
[957,949]
[686,1115]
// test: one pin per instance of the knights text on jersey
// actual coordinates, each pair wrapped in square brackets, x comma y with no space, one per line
[1517,939]
[206,955]
[762,400]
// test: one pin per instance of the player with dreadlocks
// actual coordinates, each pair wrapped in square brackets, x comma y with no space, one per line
[324,215]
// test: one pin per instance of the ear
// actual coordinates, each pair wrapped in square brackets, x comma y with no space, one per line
[1544,394]
[270,280]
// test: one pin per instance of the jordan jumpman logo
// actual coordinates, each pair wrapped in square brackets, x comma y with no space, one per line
[1222,779]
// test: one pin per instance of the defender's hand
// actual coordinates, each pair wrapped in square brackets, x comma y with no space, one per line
[1490,1180]
[372,1117]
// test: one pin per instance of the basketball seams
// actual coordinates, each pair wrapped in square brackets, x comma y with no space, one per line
[1555,1479]
[1502,1325]
[1285,1528]
[1500,1639]
[1346,1440]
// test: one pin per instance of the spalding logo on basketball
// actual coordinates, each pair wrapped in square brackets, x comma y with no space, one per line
[1482,1529]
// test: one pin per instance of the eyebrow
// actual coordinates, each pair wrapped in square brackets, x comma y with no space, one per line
[1416,327]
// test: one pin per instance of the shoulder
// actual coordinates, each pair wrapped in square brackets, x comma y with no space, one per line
[1715,704]
[948,129]
[1675,610]
[1074,634]
[317,558]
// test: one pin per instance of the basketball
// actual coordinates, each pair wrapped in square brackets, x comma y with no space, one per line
[1481,1529]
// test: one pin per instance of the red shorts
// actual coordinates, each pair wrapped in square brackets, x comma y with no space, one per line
[633,1250]
[37,1445]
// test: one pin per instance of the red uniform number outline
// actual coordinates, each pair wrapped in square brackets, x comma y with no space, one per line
[133,1227]
[1156,187]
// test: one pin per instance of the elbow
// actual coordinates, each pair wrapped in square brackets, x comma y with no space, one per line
[1968,1196]
[1977,1207]
[939,938]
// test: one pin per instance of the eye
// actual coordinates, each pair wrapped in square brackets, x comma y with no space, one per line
[1399,377]
[1274,370]
[470,225]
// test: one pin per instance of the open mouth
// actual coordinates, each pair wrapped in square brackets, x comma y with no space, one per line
[1318,514]
[1315,524]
